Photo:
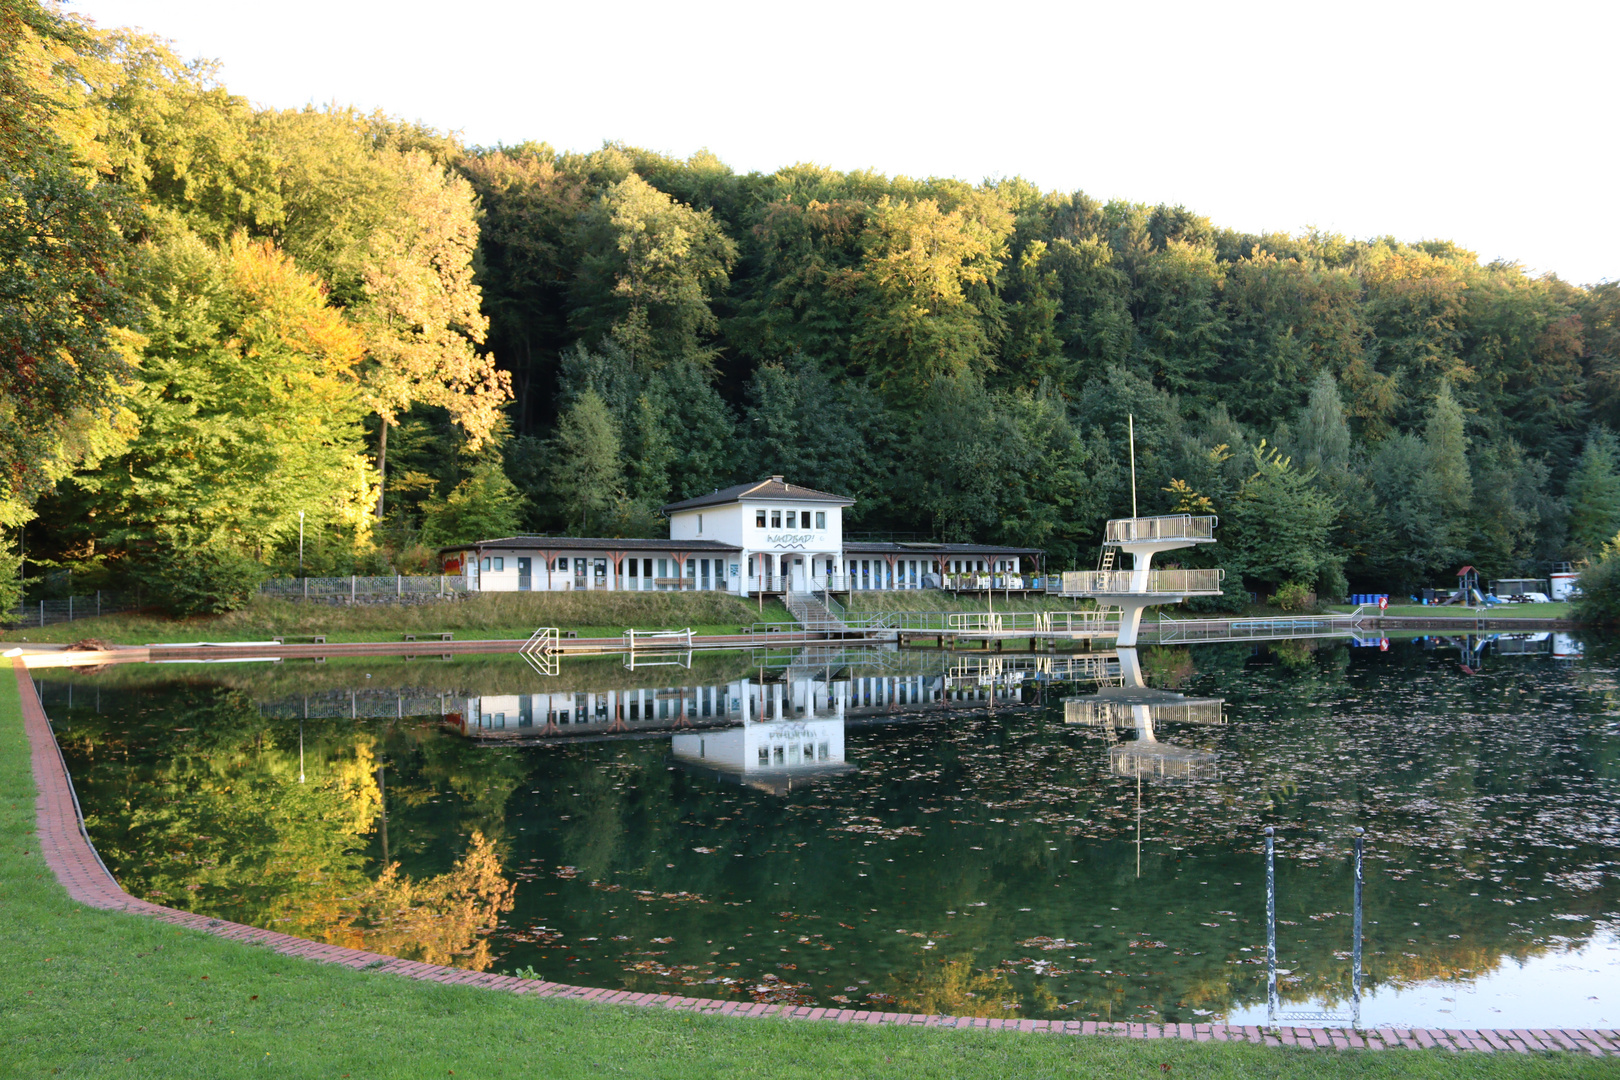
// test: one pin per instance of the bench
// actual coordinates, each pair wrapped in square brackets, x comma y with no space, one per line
[442,636]
[571,634]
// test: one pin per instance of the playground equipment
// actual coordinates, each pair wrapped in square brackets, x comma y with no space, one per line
[1468,590]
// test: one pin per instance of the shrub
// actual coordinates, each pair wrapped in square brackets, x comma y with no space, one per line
[208,580]
[1599,601]
[1293,596]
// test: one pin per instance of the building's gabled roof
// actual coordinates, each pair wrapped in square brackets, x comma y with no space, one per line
[773,488]
[588,543]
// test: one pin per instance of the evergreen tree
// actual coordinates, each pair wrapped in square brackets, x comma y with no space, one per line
[585,473]
[1594,495]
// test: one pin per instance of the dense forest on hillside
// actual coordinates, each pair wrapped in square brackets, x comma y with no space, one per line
[214,317]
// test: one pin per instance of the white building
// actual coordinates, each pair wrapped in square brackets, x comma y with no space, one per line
[766,537]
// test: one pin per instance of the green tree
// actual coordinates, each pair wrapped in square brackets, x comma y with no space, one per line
[1594,494]
[486,505]
[1448,487]
[247,407]
[63,373]
[1279,524]
[586,474]
[649,268]
[916,319]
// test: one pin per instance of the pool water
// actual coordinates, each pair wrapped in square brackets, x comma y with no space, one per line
[909,831]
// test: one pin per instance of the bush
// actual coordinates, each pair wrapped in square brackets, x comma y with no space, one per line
[1293,596]
[209,580]
[1599,601]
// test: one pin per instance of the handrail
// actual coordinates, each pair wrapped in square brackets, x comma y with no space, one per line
[1158,582]
[1164,527]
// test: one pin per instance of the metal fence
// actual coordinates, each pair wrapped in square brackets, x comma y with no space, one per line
[51,612]
[355,588]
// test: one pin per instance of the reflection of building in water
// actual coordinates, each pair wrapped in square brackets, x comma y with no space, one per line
[771,755]
[1134,706]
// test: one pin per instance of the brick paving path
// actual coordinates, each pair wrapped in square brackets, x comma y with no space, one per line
[79,869]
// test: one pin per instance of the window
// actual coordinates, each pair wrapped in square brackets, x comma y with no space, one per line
[759,519]
[562,564]
[633,568]
[486,562]
[500,563]
[691,569]
[821,519]
[793,520]
[700,524]
[764,751]
[776,519]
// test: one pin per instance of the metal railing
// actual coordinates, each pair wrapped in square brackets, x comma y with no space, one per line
[1094,713]
[1033,622]
[1121,583]
[359,587]
[71,609]
[1169,630]
[1167,527]
[987,581]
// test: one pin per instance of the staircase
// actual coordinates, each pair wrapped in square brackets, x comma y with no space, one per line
[815,614]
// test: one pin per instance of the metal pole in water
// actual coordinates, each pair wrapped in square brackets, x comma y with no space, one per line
[1271,928]
[1355,944]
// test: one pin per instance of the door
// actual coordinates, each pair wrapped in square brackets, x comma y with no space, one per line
[525,582]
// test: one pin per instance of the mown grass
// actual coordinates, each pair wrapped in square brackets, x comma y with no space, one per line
[487,616]
[86,993]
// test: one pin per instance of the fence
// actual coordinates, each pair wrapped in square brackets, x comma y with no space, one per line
[51,612]
[355,589]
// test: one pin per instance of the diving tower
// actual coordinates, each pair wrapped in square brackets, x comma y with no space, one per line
[1141,586]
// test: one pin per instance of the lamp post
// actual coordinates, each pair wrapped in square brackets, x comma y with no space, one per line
[300,543]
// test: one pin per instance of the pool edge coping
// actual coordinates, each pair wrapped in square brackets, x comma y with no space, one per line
[78,868]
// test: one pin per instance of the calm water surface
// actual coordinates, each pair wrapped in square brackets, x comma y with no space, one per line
[911,831]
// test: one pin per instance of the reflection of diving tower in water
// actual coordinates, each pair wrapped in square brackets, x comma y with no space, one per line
[1135,706]
[1140,586]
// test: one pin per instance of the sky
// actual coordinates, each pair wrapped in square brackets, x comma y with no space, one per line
[1487,124]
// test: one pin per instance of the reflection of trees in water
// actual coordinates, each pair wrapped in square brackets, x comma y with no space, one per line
[955,987]
[1488,785]
[445,919]
[198,805]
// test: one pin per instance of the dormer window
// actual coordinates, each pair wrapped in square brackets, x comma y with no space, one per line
[759,519]
[776,519]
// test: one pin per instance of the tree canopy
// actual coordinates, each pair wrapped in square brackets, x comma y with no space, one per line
[195,291]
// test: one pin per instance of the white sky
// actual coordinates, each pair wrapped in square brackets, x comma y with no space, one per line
[1485,123]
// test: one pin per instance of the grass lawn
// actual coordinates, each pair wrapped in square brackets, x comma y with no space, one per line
[1558,610]
[487,616]
[93,993]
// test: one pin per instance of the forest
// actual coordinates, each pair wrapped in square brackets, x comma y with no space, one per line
[224,325]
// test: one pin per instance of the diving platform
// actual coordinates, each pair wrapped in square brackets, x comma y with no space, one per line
[1131,590]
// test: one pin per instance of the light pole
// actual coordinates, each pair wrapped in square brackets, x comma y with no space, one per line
[300,543]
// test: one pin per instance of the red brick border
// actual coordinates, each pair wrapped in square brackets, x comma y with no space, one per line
[77,866]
